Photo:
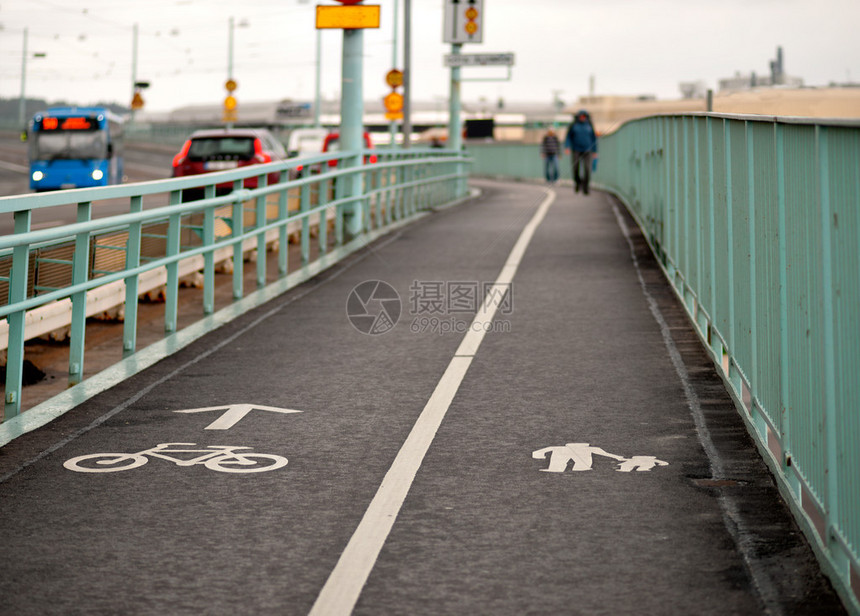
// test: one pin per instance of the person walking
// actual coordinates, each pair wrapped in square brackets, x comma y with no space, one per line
[581,142]
[550,151]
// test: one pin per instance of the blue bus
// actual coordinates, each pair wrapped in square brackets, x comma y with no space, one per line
[73,147]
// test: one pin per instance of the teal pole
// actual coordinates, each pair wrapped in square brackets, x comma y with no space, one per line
[133,71]
[22,100]
[393,126]
[352,126]
[455,127]
[232,27]
[317,82]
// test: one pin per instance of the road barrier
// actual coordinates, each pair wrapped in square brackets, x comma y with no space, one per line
[57,277]
[756,222]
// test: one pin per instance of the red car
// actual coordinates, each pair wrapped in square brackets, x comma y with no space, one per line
[332,144]
[221,149]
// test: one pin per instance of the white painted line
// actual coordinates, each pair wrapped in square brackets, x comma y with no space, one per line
[343,587]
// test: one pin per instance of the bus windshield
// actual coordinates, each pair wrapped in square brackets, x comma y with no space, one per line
[70,144]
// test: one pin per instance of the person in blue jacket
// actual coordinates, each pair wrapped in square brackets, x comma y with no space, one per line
[581,141]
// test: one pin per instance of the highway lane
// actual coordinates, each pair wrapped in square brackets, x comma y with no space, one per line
[143,162]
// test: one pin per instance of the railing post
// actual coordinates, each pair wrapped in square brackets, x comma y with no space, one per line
[132,260]
[828,345]
[80,275]
[209,256]
[171,291]
[322,230]
[238,217]
[734,375]
[17,293]
[753,312]
[283,239]
[304,206]
[784,381]
[716,346]
[260,220]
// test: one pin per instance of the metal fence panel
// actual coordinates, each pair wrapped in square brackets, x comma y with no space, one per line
[761,223]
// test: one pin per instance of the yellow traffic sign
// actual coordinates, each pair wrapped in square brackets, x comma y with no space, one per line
[348,16]
[393,115]
[231,85]
[394,78]
[393,102]
[230,103]
[137,101]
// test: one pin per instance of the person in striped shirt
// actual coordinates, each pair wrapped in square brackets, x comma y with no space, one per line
[550,151]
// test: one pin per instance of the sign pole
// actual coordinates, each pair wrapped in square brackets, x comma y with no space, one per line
[352,127]
[407,73]
[393,126]
[455,127]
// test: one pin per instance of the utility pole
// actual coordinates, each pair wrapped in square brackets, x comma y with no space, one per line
[22,100]
[407,73]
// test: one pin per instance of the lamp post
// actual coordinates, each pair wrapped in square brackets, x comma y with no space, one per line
[393,126]
[22,100]
[407,73]
[230,101]
[317,84]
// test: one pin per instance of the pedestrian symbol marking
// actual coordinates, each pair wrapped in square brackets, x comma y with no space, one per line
[221,458]
[582,456]
[234,413]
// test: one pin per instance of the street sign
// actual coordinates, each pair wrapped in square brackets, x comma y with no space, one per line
[347,17]
[479,59]
[394,78]
[393,102]
[463,21]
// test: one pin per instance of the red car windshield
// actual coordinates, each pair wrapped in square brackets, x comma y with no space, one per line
[221,148]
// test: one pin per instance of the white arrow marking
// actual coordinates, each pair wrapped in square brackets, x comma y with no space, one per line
[234,413]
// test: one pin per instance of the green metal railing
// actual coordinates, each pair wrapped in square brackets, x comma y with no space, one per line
[756,221]
[164,236]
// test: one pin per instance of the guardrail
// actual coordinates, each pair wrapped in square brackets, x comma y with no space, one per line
[57,277]
[756,221]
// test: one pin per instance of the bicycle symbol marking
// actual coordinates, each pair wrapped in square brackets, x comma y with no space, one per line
[221,458]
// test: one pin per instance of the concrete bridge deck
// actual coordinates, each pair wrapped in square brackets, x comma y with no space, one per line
[576,454]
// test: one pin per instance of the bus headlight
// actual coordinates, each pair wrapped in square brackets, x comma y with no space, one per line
[38,176]
[98,174]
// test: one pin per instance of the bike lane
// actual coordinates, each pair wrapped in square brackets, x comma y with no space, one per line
[577,367]
[168,537]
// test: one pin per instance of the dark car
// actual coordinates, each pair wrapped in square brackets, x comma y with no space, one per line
[221,149]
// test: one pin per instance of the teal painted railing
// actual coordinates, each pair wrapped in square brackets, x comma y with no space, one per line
[99,262]
[756,221]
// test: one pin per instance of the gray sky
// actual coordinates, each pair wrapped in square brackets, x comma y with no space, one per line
[631,47]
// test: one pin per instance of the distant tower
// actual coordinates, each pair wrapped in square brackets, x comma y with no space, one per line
[777,69]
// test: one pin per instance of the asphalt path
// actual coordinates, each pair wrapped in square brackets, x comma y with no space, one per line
[576,455]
